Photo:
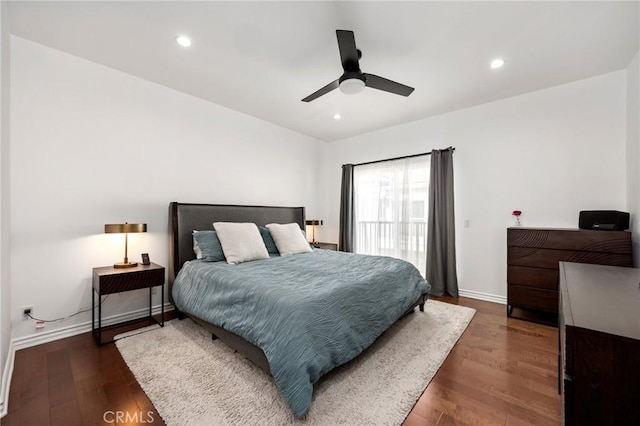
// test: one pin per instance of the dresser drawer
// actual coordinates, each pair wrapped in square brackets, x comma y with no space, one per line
[571,239]
[533,277]
[532,298]
[549,259]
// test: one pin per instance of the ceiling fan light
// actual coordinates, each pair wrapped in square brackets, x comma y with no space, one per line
[352,86]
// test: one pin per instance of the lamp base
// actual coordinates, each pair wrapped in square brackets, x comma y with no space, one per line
[125,265]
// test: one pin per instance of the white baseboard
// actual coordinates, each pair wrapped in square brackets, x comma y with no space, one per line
[72,330]
[483,296]
[7,372]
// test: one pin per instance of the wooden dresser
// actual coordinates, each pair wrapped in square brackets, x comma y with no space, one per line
[532,265]
[599,359]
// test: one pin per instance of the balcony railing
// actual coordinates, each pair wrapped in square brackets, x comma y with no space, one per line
[390,238]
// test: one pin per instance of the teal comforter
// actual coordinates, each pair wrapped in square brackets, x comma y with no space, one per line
[309,313]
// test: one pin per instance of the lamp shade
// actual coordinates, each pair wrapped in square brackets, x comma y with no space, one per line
[125,228]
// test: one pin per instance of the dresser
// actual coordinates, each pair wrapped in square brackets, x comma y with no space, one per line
[533,255]
[599,330]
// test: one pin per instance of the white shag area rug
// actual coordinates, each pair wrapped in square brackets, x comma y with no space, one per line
[193,380]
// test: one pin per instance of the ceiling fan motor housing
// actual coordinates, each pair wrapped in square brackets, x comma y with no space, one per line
[352,75]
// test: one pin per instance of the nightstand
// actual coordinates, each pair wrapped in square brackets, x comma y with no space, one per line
[325,246]
[109,280]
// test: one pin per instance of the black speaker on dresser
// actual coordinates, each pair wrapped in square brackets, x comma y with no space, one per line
[605,220]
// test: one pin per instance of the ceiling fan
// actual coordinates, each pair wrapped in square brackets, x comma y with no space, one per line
[353,80]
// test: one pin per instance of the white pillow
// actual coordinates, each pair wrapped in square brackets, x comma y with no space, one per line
[241,242]
[289,239]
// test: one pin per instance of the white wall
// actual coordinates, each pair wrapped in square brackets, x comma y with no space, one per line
[549,153]
[91,145]
[633,153]
[5,276]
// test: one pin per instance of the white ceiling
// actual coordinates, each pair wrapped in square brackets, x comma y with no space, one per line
[262,58]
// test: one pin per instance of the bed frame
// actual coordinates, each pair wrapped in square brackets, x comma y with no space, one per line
[184,218]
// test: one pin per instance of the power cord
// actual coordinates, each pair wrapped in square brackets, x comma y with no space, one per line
[69,316]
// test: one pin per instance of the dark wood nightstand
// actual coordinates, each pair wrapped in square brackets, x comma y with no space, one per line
[109,280]
[325,246]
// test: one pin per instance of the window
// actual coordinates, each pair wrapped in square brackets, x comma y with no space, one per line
[390,209]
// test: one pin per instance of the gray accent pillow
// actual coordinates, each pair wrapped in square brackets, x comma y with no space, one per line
[268,240]
[209,246]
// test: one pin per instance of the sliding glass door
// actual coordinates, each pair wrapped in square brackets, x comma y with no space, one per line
[390,203]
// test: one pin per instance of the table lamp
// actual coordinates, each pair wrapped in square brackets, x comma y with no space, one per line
[313,223]
[125,228]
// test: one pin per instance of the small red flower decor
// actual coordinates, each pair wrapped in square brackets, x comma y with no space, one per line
[517,214]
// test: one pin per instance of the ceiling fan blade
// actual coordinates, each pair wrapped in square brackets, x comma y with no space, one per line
[387,85]
[326,89]
[348,50]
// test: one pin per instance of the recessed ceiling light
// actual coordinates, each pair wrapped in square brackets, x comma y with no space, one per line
[337,116]
[183,41]
[497,63]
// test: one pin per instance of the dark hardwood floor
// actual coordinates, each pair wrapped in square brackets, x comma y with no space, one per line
[501,372]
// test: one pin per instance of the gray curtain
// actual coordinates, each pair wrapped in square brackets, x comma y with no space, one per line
[346,209]
[441,232]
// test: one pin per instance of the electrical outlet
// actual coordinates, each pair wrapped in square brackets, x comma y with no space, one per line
[27,310]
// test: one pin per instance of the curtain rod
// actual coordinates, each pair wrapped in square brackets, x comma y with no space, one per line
[398,158]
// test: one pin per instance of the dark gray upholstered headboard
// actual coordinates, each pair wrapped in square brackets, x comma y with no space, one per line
[184,218]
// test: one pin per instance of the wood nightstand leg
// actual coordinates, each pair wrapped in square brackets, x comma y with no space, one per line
[99,319]
[93,315]
[93,312]
[162,305]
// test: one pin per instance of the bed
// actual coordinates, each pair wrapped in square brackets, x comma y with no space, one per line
[293,323]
